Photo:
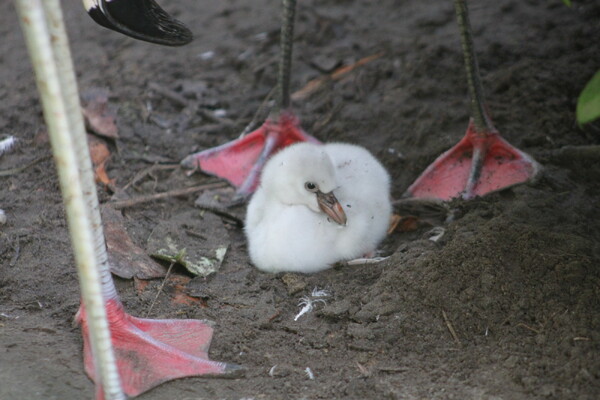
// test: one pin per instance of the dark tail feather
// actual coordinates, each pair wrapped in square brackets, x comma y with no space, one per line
[140,19]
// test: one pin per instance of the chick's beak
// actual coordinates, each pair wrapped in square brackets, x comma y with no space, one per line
[330,205]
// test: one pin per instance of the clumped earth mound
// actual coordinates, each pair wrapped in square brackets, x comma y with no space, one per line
[503,306]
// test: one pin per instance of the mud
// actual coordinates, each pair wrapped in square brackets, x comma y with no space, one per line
[504,306]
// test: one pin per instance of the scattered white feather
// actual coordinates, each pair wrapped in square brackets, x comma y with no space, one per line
[307,305]
[2,217]
[309,373]
[272,370]
[207,55]
[320,292]
[220,113]
[395,152]
[361,261]
[262,36]
[308,302]
[7,144]
[436,233]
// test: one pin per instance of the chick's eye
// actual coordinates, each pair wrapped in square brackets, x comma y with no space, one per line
[311,187]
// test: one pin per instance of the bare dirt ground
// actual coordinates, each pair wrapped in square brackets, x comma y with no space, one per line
[516,274]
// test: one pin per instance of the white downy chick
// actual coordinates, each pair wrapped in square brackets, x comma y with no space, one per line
[317,205]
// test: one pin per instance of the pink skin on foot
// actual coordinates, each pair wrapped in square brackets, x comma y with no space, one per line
[241,161]
[150,352]
[482,162]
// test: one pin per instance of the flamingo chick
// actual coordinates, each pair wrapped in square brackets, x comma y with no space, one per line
[317,205]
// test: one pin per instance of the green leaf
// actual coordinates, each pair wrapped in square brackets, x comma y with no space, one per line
[567,2]
[194,262]
[588,103]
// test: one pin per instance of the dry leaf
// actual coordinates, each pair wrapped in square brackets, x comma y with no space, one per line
[403,224]
[100,154]
[140,285]
[184,299]
[98,117]
[126,259]
[41,137]
[179,295]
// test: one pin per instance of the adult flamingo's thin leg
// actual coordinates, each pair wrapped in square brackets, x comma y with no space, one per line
[121,353]
[240,161]
[37,27]
[482,162]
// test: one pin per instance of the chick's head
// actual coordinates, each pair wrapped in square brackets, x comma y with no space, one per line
[297,173]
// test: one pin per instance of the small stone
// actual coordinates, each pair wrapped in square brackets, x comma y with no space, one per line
[324,63]
[336,310]
[511,362]
[294,283]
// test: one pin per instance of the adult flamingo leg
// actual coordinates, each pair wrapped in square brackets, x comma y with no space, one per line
[482,162]
[122,354]
[241,161]
[150,352]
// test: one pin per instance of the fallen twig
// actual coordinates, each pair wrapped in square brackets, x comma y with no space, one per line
[585,153]
[581,339]
[317,83]
[148,171]
[118,205]
[14,171]
[195,234]
[364,371]
[222,213]
[170,94]
[529,328]
[162,285]
[393,370]
[451,328]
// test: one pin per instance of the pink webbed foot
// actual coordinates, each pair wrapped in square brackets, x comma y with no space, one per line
[150,352]
[482,162]
[241,161]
